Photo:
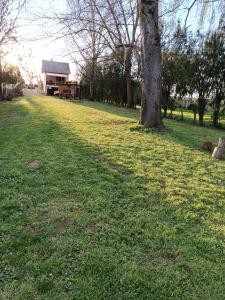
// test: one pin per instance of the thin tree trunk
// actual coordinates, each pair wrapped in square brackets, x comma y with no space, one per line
[201,110]
[215,118]
[216,112]
[201,118]
[92,79]
[128,67]
[195,113]
[1,80]
[182,115]
[1,92]
[165,103]
[164,111]
[151,65]
[91,89]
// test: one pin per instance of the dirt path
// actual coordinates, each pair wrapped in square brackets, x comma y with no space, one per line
[32,92]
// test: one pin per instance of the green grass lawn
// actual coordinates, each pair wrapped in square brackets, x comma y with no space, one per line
[94,208]
[189,117]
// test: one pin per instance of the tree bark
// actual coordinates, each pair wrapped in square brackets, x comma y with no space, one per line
[201,110]
[165,101]
[164,111]
[1,81]
[151,64]
[128,67]
[218,153]
[182,115]
[1,92]
[92,86]
[215,118]
[91,89]
[216,111]
[195,113]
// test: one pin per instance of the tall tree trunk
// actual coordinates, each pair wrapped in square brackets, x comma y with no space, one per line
[151,64]
[128,67]
[216,111]
[1,92]
[1,79]
[165,102]
[182,114]
[92,79]
[215,118]
[91,89]
[164,111]
[195,113]
[201,110]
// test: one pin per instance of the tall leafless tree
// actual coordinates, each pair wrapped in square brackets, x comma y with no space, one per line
[100,28]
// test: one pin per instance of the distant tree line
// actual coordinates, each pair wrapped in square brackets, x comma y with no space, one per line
[10,79]
[9,14]
[110,83]
[194,69]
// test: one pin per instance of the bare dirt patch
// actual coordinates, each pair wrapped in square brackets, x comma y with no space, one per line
[45,217]
[32,231]
[167,257]
[91,226]
[101,223]
[35,164]
[62,225]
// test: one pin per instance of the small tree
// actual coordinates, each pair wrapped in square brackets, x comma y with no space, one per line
[215,56]
[9,13]
[10,74]
[202,81]
[168,79]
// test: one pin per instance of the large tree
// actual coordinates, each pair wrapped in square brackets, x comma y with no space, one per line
[151,64]
[151,54]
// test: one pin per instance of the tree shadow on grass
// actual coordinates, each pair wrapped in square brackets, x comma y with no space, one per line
[112,109]
[189,135]
[131,231]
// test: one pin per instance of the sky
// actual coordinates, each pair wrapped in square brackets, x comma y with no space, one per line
[37,38]
[33,43]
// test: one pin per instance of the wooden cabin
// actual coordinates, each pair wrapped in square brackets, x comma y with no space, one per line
[70,90]
[54,74]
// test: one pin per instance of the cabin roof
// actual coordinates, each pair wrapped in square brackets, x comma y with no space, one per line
[49,66]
